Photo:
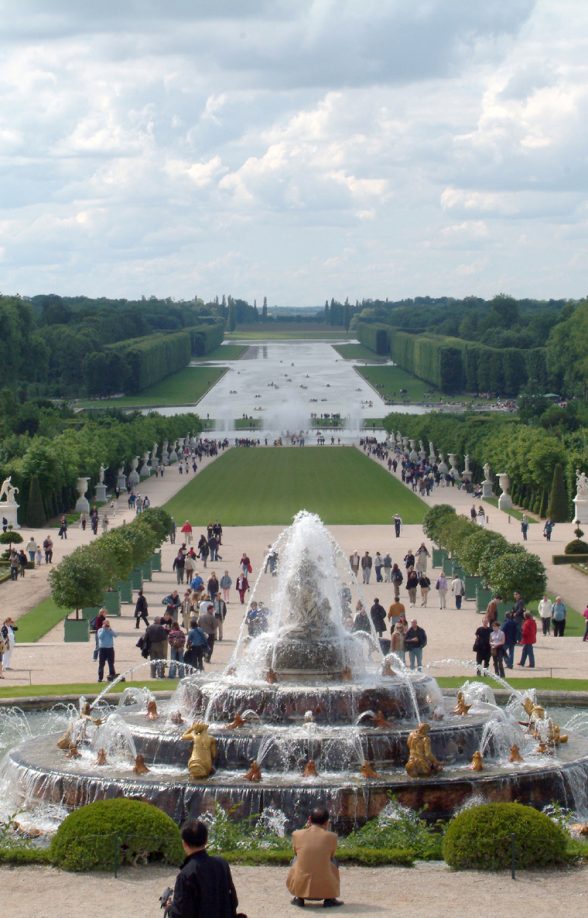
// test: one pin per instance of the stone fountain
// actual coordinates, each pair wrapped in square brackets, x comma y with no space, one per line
[305,711]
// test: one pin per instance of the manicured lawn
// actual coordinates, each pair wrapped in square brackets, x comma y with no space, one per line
[263,333]
[257,486]
[224,352]
[39,620]
[389,380]
[82,688]
[517,514]
[555,685]
[186,387]
[358,352]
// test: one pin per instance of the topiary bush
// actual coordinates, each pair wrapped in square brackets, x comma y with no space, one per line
[576,547]
[436,520]
[109,832]
[480,838]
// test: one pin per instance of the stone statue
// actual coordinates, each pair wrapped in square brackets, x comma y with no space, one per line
[477,763]
[203,751]
[139,767]
[101,474]
[581,484]
[461,707]
[421,761]
[254,772]
[8,490]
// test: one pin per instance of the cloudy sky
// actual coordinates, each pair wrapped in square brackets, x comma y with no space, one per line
[298,149]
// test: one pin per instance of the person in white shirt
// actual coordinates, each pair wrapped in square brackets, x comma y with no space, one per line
[545,609]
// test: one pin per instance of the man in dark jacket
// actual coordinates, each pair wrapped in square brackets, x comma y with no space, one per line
[415,640]
[156,639]
[204,886]
[141,610]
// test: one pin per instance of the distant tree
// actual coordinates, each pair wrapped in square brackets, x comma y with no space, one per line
[264,309]
[557,508]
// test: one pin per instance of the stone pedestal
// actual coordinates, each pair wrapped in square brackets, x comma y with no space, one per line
[82,504]
[9,511]
[100,492]
[133,474]
[581,511]
[121,481]
[487,489]
[505,500]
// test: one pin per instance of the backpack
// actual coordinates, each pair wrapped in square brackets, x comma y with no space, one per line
[93,623]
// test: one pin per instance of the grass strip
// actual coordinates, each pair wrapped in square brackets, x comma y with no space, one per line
[539,682]
[389,380]
[186,387]
[82,688]
[224,352]
[260,487]
[36,623]
[358,352]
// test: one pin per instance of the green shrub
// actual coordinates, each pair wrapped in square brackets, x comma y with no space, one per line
[480,838]
[518,570]
[436,520]
[90,837]
[18,854]
[576,547]
[476,544]
[10,538]
[396,828]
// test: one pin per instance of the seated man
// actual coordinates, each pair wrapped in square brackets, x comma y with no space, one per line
[314,874]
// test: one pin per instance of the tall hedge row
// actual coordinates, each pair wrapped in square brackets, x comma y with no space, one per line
[375,337]
[205,338]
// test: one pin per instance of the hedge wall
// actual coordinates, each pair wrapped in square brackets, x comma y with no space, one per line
[204,338]
[375,337]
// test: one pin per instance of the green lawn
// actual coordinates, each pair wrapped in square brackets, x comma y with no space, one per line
[39,620]
[544,682]
[263,333]
[256,487]
[186,387]
[82,688]
[389,380]
[358,352]
[224,352]
[517,514]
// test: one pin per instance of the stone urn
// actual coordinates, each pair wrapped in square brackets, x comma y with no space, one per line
[133,474]
[82,503]
[505,500]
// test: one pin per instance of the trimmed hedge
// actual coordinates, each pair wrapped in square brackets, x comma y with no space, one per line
[367,857]
[480,838]
[110,832]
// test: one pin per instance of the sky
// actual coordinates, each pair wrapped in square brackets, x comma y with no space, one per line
[294,149]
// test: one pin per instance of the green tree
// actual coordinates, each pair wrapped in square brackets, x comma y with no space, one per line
[518,571]
[557,508]
[35,515]
[79,580]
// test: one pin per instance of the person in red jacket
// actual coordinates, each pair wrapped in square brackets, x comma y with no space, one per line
[186,530]
[242,586]
[528,638]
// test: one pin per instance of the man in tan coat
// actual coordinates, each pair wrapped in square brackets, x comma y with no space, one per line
[314,874]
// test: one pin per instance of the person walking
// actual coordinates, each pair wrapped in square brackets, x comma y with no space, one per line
[354,562]
[378,563]
[397,645]
[314,873]
[415,640]
[497,644]
[397,520]
[509,627]
[177,641]
[366,567]
[197,646]
[458,590]
[548,529]
[528,639]
[141,608]
[186,531]
[378,617]
[156,642]
[545,609]
[225,584]
[442,586]
[7,635]
[179,566]
[213,586]
[387,564]
[425,585]
[204,885]
[220,613]
[524,526]
[558,616]
[585,616]
[106,638]
[412,583]
[242,587]
[422,557]
[208,623]
[397,577]
[482,647]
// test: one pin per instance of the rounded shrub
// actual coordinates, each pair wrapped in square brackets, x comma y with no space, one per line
[480,838]
[576,547]
[109,832]
[479,541]
[436,520]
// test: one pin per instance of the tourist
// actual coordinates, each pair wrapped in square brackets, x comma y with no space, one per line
[528,638]
[141,608]
[31,549]
[187,609]
[242,587]
[497,645]
[519,613]
[412,583]
[397,520]
[545,609]
[23,562]
[2,652]
[548,529]
[203,550]
[62,532]
[38,557]
[156,643]
[585,615]
[172,526]
[106,638]
[366,567]
[197,646]
[177,641]
[492,609]
[482,519]
[204,885]
[7,636]
[220,613]
[524,526]
[396,611]
[422,556]
[442,586]
[225,584]
[397,636]
[559,617]
[245,563]
[458,590]
[378,563]
[314,873]
[482,646]
[48,549]
[197,585]
[415,640]
[354,562]
[378,617]
[425,585]
[14,563]
[179,566]
[397,577]
[186,531]
[361,621]
[387,565]
[212,586]
[509,627]
[190,564]
[207,622]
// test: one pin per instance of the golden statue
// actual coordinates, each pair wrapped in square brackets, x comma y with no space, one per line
[64,742]
[176,718]
[236,722]
[388,669]
[73,752]
[515,754]
[380,720]
[554,734]
[271,676]
[139,767]
[203,751]
[309,770]
[152,710]
[461,707]
[101,757]
[477,763]
[421,761]
[254,773]
[544,748]
[368,771]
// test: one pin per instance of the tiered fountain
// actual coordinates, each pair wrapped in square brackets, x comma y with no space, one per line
[306,711]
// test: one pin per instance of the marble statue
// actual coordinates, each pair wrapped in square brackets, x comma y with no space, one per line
[581,484]
[201,764]
[8,490]
[421,761]
[101,474]
[581,498]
